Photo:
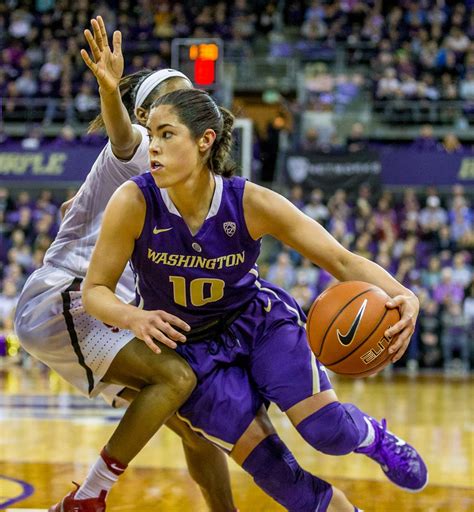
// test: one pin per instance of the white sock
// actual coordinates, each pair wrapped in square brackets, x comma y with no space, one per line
[100,478]
[370,437]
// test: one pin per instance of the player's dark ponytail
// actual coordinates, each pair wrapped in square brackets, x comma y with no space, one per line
[219,159]
[198,111]
[128,86]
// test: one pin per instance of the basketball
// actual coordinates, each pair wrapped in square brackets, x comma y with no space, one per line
[346,326]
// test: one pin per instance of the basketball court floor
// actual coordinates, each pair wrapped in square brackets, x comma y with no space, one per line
[50,435]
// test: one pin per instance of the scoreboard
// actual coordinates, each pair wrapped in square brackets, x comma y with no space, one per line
[200,59]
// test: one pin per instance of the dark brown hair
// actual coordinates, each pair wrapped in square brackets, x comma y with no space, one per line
[199,112]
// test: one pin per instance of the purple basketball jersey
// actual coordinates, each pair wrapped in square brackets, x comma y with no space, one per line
[196,277]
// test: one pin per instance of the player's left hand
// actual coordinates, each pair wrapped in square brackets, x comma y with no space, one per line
[402,331]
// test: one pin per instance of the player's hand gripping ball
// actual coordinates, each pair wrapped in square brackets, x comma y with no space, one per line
[346,326]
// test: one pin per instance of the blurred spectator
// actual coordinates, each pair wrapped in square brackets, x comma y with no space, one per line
[26,84]
[362,246]
[33,141]
[66,138]
[451,144]
[444,241]
[307,273]
[8,300]
[304,295]
[282,272]
[427,88]
[457,41]
[448,87]
[385,219]
[297,196]
[405,266]
[461,223]
[462,272]
[314,29]
[455,336]
[447,291]
[357,141]
[430,331]
[432,217]
[466,88]
[389,86]
[315,208]
[20,23]
[86,102]
[310,140]
[425,141]
[431,276]
[458,196]
[338,205]
[268,18]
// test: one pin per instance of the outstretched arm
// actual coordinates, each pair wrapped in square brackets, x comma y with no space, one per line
[107,67]
[267,212]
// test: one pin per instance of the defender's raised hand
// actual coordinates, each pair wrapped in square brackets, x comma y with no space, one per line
[107,65]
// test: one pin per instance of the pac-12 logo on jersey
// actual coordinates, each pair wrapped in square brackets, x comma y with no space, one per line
[230,228]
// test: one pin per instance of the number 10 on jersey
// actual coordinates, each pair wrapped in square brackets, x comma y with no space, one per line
[201,291]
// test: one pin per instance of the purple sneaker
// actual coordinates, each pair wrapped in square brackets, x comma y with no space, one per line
[401,463]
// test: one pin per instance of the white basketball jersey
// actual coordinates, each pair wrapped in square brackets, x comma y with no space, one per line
[73,245]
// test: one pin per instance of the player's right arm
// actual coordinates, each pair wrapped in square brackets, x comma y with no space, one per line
[267,212]
[107,67]
[122,224]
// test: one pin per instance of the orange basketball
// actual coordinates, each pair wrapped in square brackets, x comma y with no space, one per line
[346,326]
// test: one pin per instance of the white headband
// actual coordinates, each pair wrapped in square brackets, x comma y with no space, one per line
[153,80]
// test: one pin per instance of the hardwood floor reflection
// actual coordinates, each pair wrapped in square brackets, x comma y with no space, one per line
[49,436]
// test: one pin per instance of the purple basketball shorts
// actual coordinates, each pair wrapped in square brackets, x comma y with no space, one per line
[263,356]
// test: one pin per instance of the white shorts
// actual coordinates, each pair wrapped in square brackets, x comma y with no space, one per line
[53,327]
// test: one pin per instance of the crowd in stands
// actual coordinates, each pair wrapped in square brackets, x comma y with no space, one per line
[325,139]
[40,43]
[425,51]
[426,243]
[418,49]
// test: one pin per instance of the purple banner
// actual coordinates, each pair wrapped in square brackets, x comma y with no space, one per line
[391,164]
[405,166]
[47,163]
[330,171]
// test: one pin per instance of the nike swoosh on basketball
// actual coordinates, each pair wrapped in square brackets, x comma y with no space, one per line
[346,339]
[157,231]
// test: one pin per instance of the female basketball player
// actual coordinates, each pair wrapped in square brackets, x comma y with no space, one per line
[53,326]
[205,464]
[193,234]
